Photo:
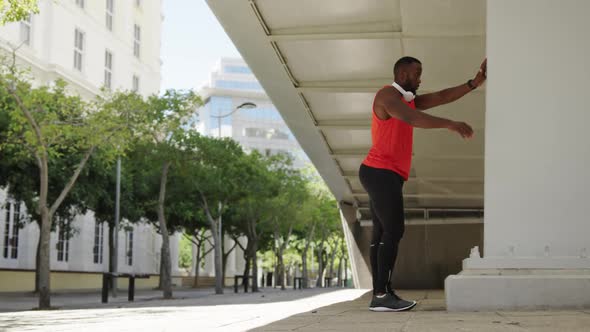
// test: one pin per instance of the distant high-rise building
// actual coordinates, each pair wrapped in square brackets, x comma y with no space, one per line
[261,128]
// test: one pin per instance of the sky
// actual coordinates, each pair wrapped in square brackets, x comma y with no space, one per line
[192,42]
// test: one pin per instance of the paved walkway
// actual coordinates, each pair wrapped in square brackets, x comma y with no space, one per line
[190,310]
[270,310]
[429,315]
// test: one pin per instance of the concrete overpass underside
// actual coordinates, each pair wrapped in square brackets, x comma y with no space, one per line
[321,63]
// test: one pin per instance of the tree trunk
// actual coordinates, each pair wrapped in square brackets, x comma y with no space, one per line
[45,237]
[319,280]
[254,266]
[37,258]
[304,257]
[332,259]
[215,227]
[166,270]
[324,265]
[197,266]
[345,271]
[340,284]
[281,268]
[218,260]
[246,274]
[223,262]
[161,281]
[216,232]
[44,259]
[112,253]
[322,260]
[304,274]
[278,279]
[247,259]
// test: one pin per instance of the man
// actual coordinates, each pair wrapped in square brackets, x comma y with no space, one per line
[396,111]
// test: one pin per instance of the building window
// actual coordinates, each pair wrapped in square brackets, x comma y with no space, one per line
[129,247]
[7,236]
[109,14]
[11,227]
[136,40]
[80,3]
[108,69]
[135,83]
[238,85]
[268,133]
[78,49]
[98,242]
[25,30]
[63,242]
[237,70]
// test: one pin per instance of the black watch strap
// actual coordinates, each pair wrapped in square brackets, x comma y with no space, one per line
[471,85]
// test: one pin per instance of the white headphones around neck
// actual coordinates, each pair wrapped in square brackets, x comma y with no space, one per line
[408,96]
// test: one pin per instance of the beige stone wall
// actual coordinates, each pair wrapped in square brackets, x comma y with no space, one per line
[23,281]
[428,253]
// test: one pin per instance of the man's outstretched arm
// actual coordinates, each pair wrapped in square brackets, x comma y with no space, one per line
[391,103]
[430,100]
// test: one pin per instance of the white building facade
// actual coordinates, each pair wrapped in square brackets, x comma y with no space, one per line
[90,44]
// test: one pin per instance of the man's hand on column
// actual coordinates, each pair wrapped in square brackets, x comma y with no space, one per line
[480,78]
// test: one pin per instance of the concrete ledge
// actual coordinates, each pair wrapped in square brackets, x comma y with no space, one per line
[468,291]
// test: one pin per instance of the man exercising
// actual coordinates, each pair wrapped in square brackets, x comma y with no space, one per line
[396,111]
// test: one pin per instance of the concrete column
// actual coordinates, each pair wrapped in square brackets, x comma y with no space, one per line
[175,252]
[230,267]
[209,269]
[537,159]
[194,256]
[240,262]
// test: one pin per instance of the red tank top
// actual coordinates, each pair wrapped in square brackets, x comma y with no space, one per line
[392,144]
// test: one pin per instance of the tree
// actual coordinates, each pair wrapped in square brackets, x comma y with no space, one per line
[260,186]
[217,169]
[182,214]
[286,209]
[168,113]
[100,176]
[163,149]
[46,123]
[200,237]
[17,10]
[185,255]
[342,262]
[329,222]
[20,178]
[334,246]
[318,201]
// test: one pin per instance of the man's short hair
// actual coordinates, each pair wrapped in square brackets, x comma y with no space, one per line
[402,62]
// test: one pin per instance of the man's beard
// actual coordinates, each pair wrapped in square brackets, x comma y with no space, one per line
[409,88]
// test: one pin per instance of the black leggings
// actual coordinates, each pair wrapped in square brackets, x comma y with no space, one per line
[387,208]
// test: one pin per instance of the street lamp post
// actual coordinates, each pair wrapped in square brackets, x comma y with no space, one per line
[115,239]
[246,105]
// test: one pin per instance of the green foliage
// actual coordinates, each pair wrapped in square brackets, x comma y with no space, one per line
[69,129]
[16,10]
[185,253]
[260,196]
